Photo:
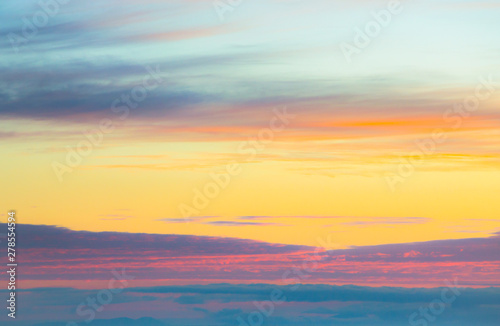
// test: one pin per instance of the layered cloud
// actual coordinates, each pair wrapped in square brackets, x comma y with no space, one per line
[92,56]
[55,256]
[224,304]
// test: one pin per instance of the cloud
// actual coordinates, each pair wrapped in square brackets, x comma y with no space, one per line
[144,321]
[319,304]
[43,236]
[54,256]
[189,299]
[388,221]
[236,223]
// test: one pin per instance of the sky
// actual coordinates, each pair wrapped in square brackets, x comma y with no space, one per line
[227,142]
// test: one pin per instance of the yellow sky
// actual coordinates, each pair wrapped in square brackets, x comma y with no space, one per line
[298,200]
